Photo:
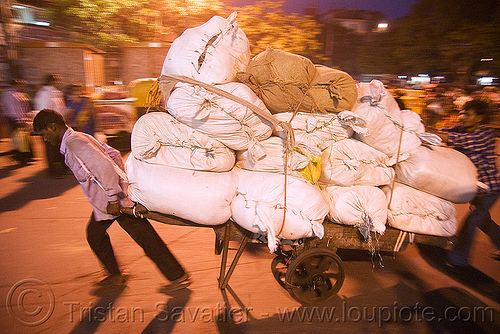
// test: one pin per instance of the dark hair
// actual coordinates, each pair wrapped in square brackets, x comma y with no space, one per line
[74,86]
[17,82]
[46,117]
[52,78]
[480,107]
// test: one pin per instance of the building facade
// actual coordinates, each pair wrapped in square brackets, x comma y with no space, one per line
[345,31]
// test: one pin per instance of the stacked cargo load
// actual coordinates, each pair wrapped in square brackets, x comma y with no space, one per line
[277,144]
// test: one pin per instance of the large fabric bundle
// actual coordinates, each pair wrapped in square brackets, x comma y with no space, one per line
[275,158]
[281,80]
[212,53]
[201,197]
[415,211]
[361,206]
[259,206]
[412,121]
[384,120]
[320,130]
[414,133]
[230,122]
[440,171]
[333,90]
[158,138]
[350,162]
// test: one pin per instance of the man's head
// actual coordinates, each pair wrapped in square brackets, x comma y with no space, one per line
[474,113]
[17,83]
[53,80]
[75,90]
[50,125]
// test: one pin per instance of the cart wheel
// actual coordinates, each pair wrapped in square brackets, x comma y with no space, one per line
[315,275]
[278,268]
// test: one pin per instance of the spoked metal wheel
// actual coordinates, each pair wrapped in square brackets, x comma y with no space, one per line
[279,266]
[315,275]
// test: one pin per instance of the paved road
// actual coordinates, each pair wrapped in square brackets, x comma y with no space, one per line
[48,271]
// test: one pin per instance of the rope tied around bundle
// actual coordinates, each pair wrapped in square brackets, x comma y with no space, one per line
[165,84]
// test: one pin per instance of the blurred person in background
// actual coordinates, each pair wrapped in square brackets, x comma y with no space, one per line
[16,107]
[31,90]
[478,142]
[49,96]
[460,97]
[80,106]
[434,110]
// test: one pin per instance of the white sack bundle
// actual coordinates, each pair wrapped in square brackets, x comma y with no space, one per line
[412,210]
[212,53]
[440,171]
[320,130]
[201,197]
[384,120]
[414,130]
[412,121]
[361,206]
[259,206]
[275,158]
[158,138]
[221,118]
[350,162]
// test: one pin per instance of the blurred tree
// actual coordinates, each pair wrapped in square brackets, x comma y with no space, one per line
[108,23]
[439,37]
[266,24]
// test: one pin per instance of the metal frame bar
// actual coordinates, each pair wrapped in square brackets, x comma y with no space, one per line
[223,276]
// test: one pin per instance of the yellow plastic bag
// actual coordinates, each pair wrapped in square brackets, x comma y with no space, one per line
[312,171]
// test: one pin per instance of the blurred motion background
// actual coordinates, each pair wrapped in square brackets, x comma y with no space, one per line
[433,55]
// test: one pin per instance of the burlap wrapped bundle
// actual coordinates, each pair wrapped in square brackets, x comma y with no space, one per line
[287,82]
[333,90]
[281,79]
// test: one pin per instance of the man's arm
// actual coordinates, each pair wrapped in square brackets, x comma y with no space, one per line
[114,154]
[99,165]
[441,134]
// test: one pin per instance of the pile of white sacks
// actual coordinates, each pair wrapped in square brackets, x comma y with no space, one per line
[217,156]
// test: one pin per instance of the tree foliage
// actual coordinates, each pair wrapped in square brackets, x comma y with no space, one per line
[266,24]
[440,36]
[109,23]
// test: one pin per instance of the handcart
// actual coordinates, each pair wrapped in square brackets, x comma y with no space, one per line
[314,272]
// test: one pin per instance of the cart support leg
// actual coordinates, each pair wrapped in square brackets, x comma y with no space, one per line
[225,251]
[223,285]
